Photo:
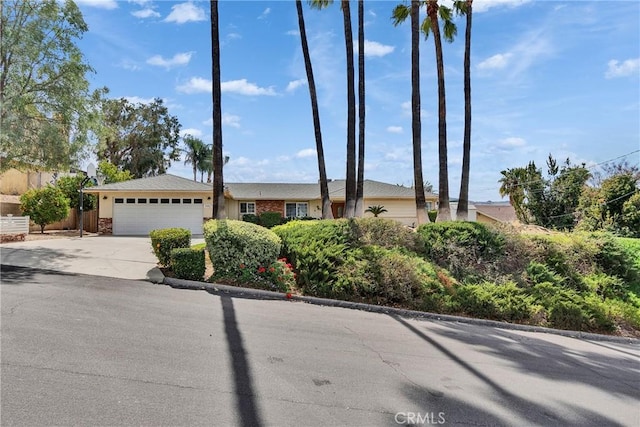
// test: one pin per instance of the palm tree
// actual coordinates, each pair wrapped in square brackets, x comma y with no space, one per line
[207,163]
[512,185]
[431,24]
[376,210]
[361,113]
[465,7]
[324,187]
[350,184]
[194,153]
[400,14]
[218,210]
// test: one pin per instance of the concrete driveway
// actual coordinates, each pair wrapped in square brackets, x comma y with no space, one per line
[120,257]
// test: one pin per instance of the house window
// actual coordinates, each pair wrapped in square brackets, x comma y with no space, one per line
[131,200]
[197,201]
[428,206]
[247,208]
[155,201]
[142,200]
[296,210]
[118,200]
[164,201]
[175,201]
[186,201]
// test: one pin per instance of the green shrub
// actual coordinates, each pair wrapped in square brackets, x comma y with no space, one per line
[491,301]
[432,215]
[568,315]
[540,273]
[386,233]
[461,247]
[188,263]
[270,219]
[254,219]
[236,245]
[164,240]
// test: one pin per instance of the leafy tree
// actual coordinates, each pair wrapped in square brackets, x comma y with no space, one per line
[465,7]
[399,15]
[218,210]
[195,154]
[46,107]
[45,205]
[324,187]
[512,185]
[70,186]
[112,174]
[140,138]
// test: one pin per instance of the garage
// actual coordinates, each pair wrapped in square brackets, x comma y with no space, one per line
[136,216]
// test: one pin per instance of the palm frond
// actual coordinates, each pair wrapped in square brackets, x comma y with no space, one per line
[320,4]
[426,27]
[450,31]
[400,14]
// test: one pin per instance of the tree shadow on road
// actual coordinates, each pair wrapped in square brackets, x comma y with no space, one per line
[37,257]
[534,413]
[243,380]
[13,275]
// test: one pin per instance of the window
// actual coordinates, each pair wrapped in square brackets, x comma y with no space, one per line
[186,201]
[164,201]
[175,200]
[247,208]
[131,200]
[142,200]
[197,201]
[118,200]
[154,201]
[296,210]
[428,206]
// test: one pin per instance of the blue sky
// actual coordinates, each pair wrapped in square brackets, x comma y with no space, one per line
[560,77]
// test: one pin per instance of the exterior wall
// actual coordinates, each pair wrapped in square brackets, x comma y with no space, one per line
[10,209]
[105,225]
[403,211]
[233,207]
[480,217]
[14,181]
[106,205]
[472,212]
[269,206]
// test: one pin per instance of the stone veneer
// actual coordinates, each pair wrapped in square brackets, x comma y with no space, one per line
[105,225]
[269,206]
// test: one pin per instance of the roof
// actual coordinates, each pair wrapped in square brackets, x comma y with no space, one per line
[259,191]
[165,182]
[499,212]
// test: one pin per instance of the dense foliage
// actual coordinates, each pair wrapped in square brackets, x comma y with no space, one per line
[188,263]
[236,247]
[164,240]
[45,205]
[70,186]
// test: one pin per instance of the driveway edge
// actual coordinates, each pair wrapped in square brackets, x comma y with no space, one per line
[240,292]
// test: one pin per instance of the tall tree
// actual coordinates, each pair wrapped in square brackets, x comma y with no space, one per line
[140,138]
[218,210]
[350,183]
[324,187]
[400,14]
[195,154]
[465,7]
[361,113]
[111,173]
[46,108]
[435,13]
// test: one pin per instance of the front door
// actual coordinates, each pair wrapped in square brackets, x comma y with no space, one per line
[337,208]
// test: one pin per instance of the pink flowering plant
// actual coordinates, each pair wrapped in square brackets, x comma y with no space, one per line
[277,276]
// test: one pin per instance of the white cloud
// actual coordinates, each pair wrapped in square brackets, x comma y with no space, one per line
[372,49]
[394,129]
[146,13]
[480,6]
[406,109]
[265,13]
[178,59]
[185,12]
[307,152]
[138,100]
[497,61]
[295,84]
[512,142]
[191,131]
[295,33]
[129,65]
[230,120]
[101,4]
[195,85]
[242,87]
[626,68]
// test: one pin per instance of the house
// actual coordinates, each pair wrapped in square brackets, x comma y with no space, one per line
[495,212]
[138,206]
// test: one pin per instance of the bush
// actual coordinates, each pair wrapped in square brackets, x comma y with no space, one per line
[164,240]
[270,219]
[254,219]
[386,233]
[234,246]
[461,247]
[188,263]
[44,205]
[499,302]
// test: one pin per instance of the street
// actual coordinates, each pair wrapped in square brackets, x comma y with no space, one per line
[89,350]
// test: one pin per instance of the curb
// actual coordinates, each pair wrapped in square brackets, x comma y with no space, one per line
[239,292]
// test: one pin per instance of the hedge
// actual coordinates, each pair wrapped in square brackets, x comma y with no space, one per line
[164,240]
[188,263]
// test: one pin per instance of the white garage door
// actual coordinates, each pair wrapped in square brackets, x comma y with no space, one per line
[138,216]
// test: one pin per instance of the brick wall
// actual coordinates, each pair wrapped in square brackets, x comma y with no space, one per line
[269,206]
[105,225]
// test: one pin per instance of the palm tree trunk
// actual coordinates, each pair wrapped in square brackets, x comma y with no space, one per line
[444,212]
[462,213]
[361,113]
[218,210]
[324,187]
[416,124]
[350,185]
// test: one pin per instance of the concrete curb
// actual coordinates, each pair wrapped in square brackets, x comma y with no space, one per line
[239,292]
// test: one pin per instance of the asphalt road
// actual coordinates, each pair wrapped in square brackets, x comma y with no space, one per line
[88,350]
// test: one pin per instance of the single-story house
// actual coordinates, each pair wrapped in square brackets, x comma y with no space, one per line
[495,212]
[138,206]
